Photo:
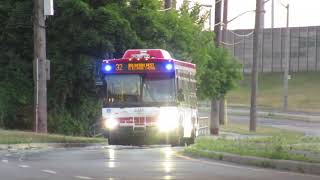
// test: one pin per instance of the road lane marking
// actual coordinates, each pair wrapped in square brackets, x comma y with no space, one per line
[23,166]
[4,161]
[242,166]
[48,171]
[167,177]
[82,177]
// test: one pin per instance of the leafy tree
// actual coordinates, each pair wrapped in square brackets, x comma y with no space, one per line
[16,63]
[83,32]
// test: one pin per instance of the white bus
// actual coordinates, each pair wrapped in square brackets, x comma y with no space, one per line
[149,95]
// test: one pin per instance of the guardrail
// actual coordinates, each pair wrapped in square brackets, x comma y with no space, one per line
[204,128]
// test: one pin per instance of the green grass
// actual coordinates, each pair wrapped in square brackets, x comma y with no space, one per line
[275,147]
[261,130]
[19,137]
[303,91]
[274,143]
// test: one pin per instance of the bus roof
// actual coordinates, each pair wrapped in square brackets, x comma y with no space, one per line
[145,55]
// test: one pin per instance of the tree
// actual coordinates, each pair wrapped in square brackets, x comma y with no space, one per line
[82,33]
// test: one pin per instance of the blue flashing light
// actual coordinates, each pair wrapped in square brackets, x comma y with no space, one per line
[108,68]
[169,66]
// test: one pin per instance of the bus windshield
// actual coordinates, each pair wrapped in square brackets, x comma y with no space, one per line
[158,89]
[138,90]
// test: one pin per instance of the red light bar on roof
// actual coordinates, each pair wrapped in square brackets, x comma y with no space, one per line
[146,54]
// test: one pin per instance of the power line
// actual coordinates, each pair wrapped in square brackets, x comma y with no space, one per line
[229,44]
[242,35]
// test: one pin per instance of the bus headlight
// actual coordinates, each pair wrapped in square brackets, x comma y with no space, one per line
[111,123]
[167,121]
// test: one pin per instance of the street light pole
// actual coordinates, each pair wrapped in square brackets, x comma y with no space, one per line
[286,69]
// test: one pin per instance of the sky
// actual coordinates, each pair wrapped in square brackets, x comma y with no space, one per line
[302,13]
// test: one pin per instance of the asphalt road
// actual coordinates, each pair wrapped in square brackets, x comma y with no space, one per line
[308,128]
[119,162]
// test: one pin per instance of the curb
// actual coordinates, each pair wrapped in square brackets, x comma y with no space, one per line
[45,145]
[287,165]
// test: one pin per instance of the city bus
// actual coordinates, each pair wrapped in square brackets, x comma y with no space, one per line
[148,94]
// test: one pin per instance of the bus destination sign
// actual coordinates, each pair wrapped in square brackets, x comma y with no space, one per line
[119,67]
[137,67]
[141,66]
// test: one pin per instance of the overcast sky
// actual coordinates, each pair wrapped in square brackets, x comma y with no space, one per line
[302,13]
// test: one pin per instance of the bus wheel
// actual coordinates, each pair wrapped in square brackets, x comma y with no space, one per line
[176,141]
[191,140]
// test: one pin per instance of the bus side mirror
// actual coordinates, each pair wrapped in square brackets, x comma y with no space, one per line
[180,95]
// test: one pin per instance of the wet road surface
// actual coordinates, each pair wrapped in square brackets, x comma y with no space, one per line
[120,162]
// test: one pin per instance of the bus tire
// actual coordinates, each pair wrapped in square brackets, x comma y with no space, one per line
[190,140]
[176,141]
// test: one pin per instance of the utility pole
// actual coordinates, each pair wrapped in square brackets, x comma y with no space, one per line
[272,27]
[254,73]
[286,67]
[214,115]
[272,14]
[222,108]
[40,70]
[262,2]
[217,22]
[167,4]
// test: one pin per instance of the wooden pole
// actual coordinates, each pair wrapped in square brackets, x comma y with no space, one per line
[40,70]
[254,73]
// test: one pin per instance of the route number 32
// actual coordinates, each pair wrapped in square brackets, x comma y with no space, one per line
[119,67]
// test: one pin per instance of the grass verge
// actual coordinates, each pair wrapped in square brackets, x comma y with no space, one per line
[21,137]
[274,143]
[275,147]
[261,130]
